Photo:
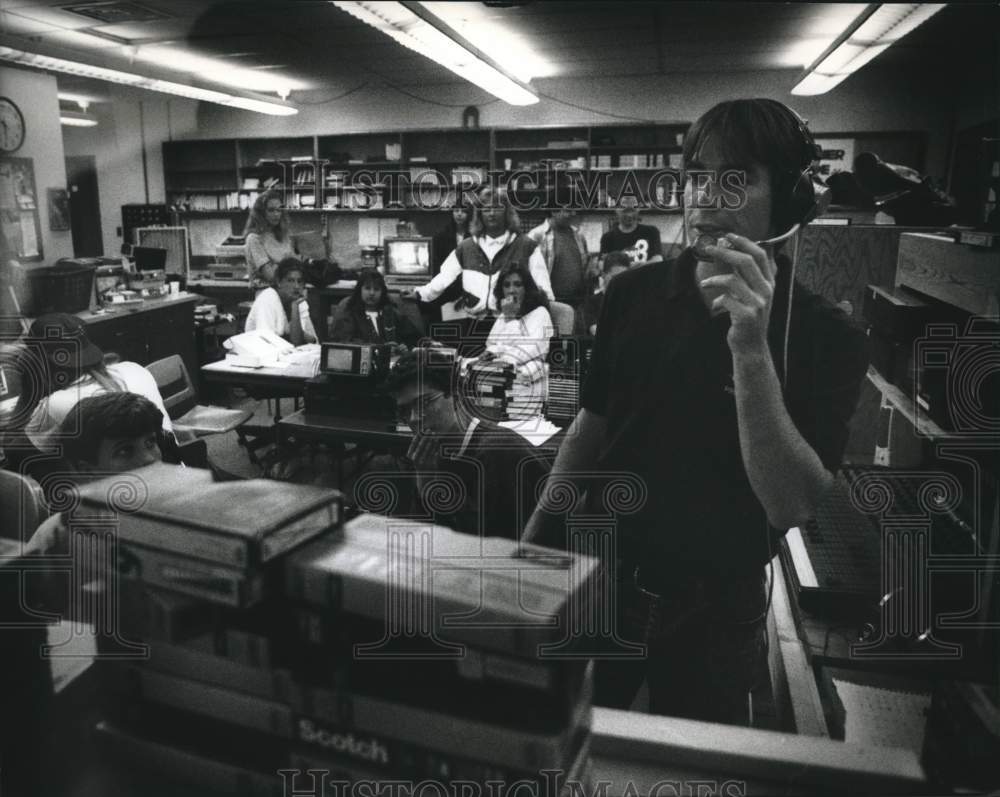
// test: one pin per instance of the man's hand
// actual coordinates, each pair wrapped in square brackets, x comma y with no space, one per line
[487,356]
[747,292]
[409,294]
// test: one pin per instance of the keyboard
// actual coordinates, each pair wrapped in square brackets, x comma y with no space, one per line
[835,561]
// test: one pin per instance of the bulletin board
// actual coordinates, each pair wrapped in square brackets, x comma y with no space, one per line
[22,229]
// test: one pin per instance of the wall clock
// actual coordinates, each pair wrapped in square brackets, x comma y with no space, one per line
[11,126]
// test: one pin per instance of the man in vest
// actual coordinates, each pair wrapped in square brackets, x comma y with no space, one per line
[496,241]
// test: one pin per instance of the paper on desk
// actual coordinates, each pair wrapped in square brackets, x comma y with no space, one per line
[883,717]
[535,430]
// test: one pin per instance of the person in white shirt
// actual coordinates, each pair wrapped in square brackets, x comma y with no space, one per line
[496,242]
[520,336]
[282,309]
[69,367]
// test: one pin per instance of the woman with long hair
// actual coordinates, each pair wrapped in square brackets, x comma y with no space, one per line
[521,333]
[268,240]
[463,212]
[369,316]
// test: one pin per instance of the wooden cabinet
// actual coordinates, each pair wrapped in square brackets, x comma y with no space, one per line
[160,328]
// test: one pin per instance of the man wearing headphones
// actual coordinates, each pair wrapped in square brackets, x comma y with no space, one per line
[728,393]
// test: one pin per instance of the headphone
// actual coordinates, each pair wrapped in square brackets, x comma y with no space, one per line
[800,206]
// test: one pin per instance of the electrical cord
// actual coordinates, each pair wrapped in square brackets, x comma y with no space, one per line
[341,96]
[593,110]
[401,90]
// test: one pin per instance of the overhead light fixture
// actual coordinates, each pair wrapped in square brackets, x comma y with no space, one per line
[216,70]
[77,118]
[873,31]
[415,27]
[68,66]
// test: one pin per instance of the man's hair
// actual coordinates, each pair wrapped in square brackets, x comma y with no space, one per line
[615,259]
[493,194]
[760,131]
[368,277]
[533,295]
[108,415]
[422,366]
[286,267]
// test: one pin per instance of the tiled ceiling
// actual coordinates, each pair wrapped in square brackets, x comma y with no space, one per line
[322,47]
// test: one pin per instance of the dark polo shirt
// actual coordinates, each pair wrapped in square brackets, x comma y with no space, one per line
[662,376]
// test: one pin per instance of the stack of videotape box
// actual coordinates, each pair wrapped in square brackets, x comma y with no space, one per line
[319,679]
[488,388]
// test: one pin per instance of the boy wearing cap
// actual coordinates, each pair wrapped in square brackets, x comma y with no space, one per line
[63,366]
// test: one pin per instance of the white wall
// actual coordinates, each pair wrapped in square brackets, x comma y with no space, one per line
[35,95]
[132,123]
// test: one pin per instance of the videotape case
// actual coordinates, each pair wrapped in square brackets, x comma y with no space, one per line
[236,524]
[194,577]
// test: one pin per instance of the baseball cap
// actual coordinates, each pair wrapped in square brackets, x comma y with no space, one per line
[51,332]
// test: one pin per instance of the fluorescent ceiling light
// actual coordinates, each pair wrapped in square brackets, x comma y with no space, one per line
[70,67]
[415,27]
[877,28]
[76,119]
[216,70]
[821,25]
[479,25]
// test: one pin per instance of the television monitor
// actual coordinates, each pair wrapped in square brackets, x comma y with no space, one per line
[407,260]
[174,240]
[351,359]
[149,258]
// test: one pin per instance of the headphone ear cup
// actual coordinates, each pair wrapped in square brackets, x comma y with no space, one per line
[798,205]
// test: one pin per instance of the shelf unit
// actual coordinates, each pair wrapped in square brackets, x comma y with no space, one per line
[207,177]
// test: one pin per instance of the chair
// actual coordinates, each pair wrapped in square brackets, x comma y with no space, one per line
[22,506]
[182,405]
[563,317]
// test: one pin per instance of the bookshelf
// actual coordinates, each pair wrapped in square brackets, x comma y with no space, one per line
[341,173]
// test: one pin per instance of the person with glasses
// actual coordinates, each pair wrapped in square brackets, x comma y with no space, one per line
[490,463]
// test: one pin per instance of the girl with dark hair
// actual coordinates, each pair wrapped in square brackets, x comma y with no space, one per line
[268,238]
[283,309]
[521,333]
[369,316]
[458,228]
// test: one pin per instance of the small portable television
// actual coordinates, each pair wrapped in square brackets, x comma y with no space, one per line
[352,359]
[407,261]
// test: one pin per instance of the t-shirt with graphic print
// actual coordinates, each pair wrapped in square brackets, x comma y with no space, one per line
[642,244]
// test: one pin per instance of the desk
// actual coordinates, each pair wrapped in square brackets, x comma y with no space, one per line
[382,433]
[289,381]
[144,333]
[362,431]
[627,748]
